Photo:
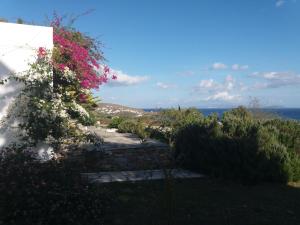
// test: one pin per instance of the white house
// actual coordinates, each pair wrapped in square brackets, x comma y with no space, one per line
[18,47]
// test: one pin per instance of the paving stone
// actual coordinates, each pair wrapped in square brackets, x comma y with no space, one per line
[141,175]
[114,140]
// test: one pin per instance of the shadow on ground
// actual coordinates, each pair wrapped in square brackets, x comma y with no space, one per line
[54,193]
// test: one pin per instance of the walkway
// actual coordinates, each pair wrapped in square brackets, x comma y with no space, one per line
[141,175]
[114,140]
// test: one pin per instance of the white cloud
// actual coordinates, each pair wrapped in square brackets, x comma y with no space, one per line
[212,90]
[219,66]
[164,85]
[275,75]
[276,79]
[211,85]
[220,91]
[207,83]
[222,66]
[124,79]
[229,82]
[239,67]
[223,96]
[280,3]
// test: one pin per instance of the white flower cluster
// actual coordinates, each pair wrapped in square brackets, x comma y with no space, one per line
[39,72]
[43,110]
[69,74]
[80,110]
[58,108]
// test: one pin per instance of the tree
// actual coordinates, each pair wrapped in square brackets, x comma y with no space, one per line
[20,21]
[3,20]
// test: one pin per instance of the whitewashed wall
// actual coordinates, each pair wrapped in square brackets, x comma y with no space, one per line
[18,46]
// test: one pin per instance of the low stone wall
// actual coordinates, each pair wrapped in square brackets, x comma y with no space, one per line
[123,159]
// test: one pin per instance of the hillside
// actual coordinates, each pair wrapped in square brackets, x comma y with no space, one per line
[118,110]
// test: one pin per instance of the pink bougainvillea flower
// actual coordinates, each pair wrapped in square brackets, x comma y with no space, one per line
[61,66]
[85,84]
[80,54]
[82,97]
[41,52]
[114,77]
[106,69]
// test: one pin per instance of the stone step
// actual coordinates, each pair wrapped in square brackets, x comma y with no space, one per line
[140,175]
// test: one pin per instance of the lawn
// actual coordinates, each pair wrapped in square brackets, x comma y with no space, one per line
[203,201]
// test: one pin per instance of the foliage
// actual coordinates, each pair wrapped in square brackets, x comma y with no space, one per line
[115,122]
[240,148]
[237,122]
[158,134]
[43,112]
[140,131]
[20,21]
[127,126]
[130,126]
[57,86]
[167,122]
[176,118]
[288,133]
[79,53]
[3,20]
[47,193]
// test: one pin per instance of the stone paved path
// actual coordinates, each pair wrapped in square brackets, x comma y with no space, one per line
[122,152]
[114,140]
[123,176]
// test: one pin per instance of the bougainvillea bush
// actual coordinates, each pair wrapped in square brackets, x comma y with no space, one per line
[77,66]
[57,87]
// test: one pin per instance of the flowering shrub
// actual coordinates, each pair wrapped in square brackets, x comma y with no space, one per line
[78,53]
[58,85]
[44,113]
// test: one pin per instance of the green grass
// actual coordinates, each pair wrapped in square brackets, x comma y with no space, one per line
[203,201]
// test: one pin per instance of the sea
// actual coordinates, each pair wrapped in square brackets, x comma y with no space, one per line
[284,113]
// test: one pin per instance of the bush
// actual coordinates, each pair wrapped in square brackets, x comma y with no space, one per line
[127,126]
[288,133]
[47,193]
[115,122]
[237,122]
[140,131]
[238,148]
[176,118]
[158,134]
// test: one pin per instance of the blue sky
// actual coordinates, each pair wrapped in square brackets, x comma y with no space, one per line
[209,53]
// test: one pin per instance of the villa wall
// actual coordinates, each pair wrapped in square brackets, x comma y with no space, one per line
[18,46]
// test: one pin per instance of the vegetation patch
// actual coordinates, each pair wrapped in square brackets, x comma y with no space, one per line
[241,148]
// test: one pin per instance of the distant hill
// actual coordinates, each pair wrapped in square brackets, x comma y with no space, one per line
[119,110]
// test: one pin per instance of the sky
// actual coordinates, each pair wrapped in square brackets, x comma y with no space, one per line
[207,54]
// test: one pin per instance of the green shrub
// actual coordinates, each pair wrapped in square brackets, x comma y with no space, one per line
[288,133]
[88,121]
[127,126]
[176,118]
[47,193]
[140,131]
[158,134]
[238,148]
[237,122]
[115,122]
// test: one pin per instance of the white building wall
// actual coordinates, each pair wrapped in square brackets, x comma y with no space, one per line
[18,48]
